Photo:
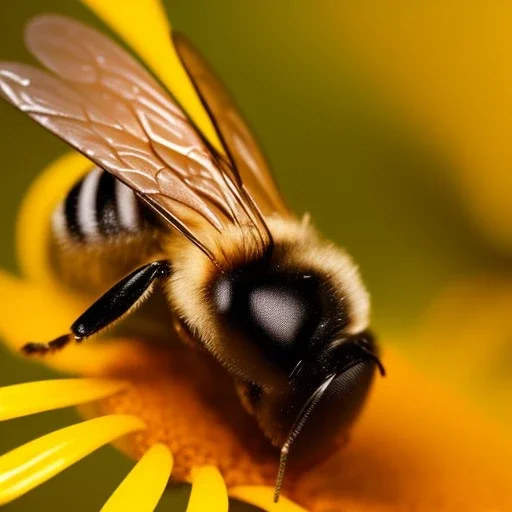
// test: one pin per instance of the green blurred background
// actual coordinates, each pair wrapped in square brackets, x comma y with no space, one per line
[376,178]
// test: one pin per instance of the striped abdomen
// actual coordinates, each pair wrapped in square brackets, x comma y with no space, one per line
[102,231]
[99,207]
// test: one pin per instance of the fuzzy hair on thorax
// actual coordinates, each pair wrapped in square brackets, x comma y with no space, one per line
[297,246]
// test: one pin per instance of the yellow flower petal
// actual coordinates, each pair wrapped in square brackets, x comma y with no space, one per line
[144,26]
[208,491]
[34,397]
[141,490]
[117,357]
[263,497]
[51,313]
[39,309]
[28,466]
[33,312]
[33,230]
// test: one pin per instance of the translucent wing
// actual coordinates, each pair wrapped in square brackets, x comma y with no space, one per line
[236,136]
[102,102]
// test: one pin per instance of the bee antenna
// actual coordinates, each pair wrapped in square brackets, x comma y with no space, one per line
[301,420]
[280,474]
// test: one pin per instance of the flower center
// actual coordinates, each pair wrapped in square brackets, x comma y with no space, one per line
[189,403]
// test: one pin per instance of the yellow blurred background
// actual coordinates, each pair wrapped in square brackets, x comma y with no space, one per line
[390,123]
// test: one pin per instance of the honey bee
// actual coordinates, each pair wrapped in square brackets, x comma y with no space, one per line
[284,312]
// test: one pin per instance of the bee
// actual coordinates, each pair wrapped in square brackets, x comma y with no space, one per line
[284,312]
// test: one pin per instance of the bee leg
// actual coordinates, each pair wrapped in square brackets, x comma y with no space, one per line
[43,348]
[122,299]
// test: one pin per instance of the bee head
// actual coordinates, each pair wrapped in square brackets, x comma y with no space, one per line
[292,323]
[291,330]
[325,395]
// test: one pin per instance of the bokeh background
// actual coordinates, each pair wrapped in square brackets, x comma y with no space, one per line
[390,122]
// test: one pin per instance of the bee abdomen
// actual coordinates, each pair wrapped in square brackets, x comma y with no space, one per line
[98,207]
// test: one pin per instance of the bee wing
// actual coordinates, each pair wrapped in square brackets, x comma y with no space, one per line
[102,102]
[239,142]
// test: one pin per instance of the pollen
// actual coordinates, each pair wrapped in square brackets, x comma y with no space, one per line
[190,405]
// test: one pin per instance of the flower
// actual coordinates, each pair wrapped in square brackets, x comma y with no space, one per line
[125,404]
[419,445]
[133,388]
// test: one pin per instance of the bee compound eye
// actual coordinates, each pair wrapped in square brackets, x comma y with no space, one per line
[223,295]
[279,313]
[337,409]
[346,394]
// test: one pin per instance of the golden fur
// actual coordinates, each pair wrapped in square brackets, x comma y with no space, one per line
[297,246]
